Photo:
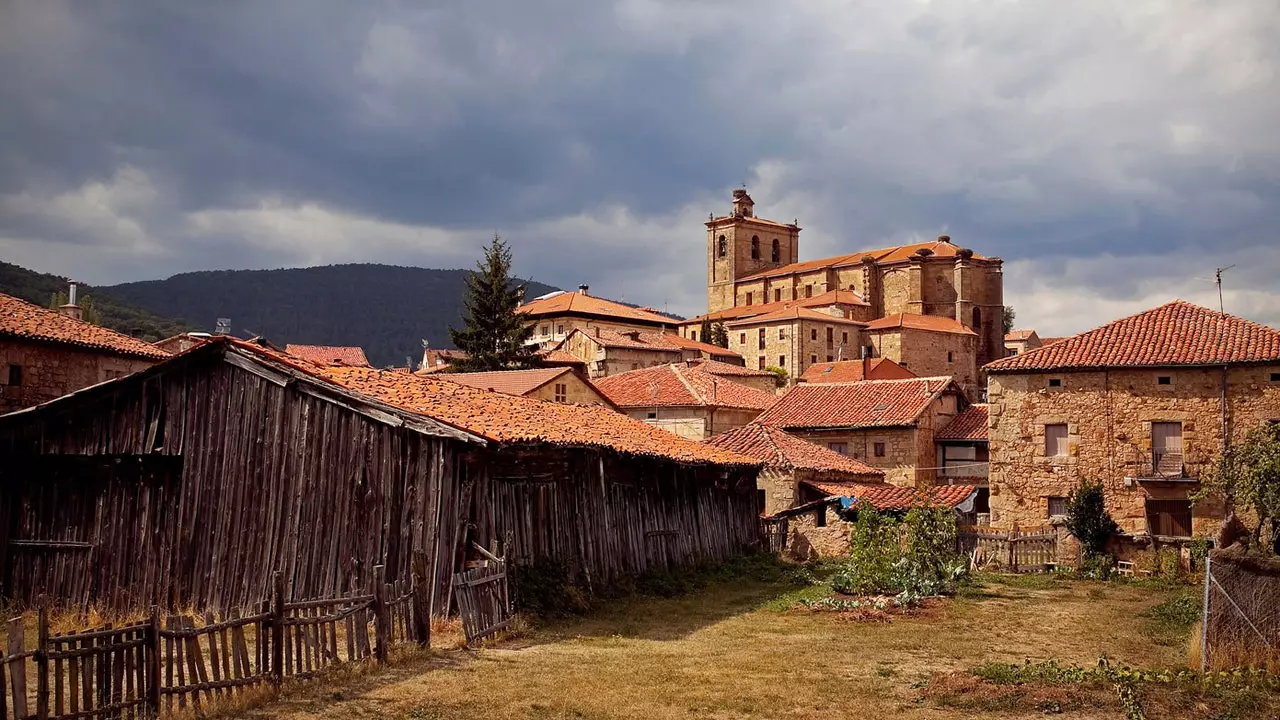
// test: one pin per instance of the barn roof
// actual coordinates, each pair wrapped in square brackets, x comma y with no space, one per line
[21,319]
[678,384]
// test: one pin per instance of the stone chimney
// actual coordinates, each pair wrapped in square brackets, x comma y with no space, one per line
[584,289]
[71,309]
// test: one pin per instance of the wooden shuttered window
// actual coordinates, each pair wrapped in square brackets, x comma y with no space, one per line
[1166,448]
[1170,518]
[1055,440]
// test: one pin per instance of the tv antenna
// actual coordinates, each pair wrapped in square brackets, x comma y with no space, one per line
[1217,280]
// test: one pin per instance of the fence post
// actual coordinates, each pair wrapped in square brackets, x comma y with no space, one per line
[421,600]
[1012,540]
[1204,615]
[153,662]
[42,659]
[382,620]
[277,627]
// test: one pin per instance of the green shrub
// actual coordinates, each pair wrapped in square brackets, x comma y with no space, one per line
[873,550]
[1096,567]
[1088,519]
[878,564]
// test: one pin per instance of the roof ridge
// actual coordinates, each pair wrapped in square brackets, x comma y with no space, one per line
[678,370]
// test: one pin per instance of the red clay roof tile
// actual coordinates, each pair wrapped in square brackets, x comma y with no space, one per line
[776,448]
[576,302]
[724,369]
[883,496]
[898,253]
[677,384]
[871,403]
[21,319]
[793,313]
[1177,333]
[510,382]
[851,371]
[932,323]
[329,354]
[970,424]
[826,299]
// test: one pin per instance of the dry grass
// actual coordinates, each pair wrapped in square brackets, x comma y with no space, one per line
[729,652]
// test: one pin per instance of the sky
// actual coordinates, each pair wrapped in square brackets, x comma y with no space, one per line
[1113,154]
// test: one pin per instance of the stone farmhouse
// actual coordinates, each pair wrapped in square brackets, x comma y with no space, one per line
[329,354]
[607,352]
[685,399]
[1144,404]
[552,384]
[555,315]
[45,354]
[783,312]
[887,424]
[854,370]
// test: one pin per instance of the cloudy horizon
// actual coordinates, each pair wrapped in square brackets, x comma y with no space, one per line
[1113,154]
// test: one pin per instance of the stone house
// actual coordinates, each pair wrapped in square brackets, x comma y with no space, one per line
[684,399]
[45,354]
[751,261]
[1144,404]
[963,453]
[555,315]
[1017,342]
[552,384]
[789,461]
[928,345]
[329,354]
[607,352]
[794,339]
[761,380]
[868,368]
[888,424]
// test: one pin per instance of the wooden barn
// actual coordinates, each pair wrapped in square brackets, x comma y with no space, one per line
[190,483]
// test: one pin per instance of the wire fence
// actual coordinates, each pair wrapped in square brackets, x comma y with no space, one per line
[1241,618]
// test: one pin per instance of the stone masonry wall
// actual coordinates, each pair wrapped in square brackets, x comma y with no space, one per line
[902,447]
[51,371]
[577,392]
[1108,417]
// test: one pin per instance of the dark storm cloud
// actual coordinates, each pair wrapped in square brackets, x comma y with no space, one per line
[1113,152]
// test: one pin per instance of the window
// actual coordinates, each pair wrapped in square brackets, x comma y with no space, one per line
[1055,382]
[813,360]
[878,449]
[948,356]
[15,375]
[562,392]
[721,247]
[842,448]
[813,333]
[761,362]
[1055,440]
[652,416]
[1164,380]
[831,335]
[748,298]
[693,334]
[844,338]
[777,294]
[831,358]
[808,291]
[777,252]
[977,320]
[755,248]
[546,330]
[742,338]
[782,361]
[559,329]
[820,516]
[1057,506]
[1169,518]
[1166,449]
[761,340]
[782,333]
[1275,377]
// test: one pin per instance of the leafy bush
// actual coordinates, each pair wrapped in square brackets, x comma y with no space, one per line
[878,564]
[1096,567]
[1088,519]
[873,551]
[780,376]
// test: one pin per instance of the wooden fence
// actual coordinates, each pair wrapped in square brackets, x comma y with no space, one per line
[483,601]
[774,533]
[143,669]
[1015,550]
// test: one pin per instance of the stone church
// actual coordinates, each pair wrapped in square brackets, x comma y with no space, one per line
[934,307]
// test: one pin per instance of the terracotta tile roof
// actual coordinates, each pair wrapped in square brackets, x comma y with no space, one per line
[1177,333]
[510,382]
[753,219]
[682,385]
[21,319]
[576,302]
[690,344]
[1047,340]
[1018,335]
[932,323]
[871,403]
[560,357]
[655,341]
[723,369]
[776,448]
[970,424]
[826,299]
[793,313]
[883,496]
[329,354]
[511,419]
[851,371]
[898,253]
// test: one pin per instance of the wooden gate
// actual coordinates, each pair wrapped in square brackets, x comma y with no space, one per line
[482,598]
[774,531]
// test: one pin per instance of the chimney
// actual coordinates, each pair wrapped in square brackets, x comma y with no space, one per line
[71,309]
[866,364]
[583,288]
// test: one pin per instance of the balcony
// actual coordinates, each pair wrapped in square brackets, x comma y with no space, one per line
[1164,467]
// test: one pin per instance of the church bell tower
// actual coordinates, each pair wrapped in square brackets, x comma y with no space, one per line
[740,244]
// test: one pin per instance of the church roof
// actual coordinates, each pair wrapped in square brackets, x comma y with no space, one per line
[898,253]
[792,313]
[911,321]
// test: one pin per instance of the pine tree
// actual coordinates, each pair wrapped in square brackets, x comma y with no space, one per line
[704,333]
[495,336]
[720,335]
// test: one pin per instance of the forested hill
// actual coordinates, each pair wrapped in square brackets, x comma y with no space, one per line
[40,288]
[385,309]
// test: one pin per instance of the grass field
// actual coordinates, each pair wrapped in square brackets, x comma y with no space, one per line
[739,648]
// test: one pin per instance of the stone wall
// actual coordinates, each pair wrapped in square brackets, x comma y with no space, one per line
[904,451]
[779,488]
[605,361]
[577,391]
[795,344]
[550,331]
[1108,417]
[925,353]
[49,371]
[694,423]
[807,541]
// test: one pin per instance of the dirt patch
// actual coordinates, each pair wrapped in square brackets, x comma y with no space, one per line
[965,691]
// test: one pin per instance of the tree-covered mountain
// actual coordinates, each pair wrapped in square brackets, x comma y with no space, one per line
[41,288]
[386,309]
